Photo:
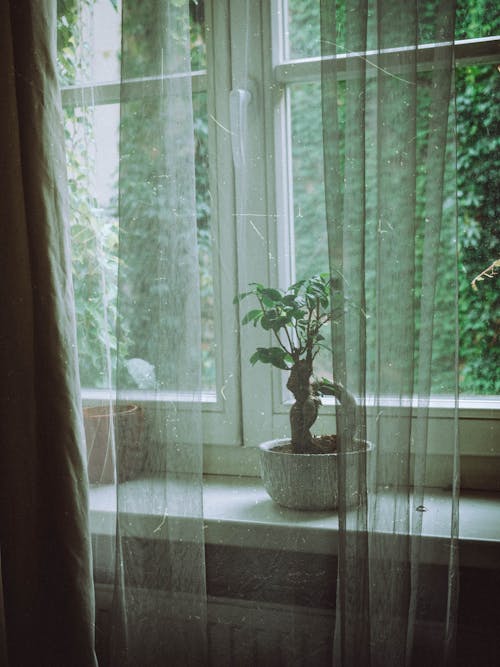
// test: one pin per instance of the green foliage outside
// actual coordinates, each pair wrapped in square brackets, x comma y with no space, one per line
[94,232]
[477,103]
[143,203]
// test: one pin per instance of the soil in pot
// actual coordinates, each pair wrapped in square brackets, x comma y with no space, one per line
[323,444]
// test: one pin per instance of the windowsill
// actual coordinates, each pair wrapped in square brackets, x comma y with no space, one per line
[238,512]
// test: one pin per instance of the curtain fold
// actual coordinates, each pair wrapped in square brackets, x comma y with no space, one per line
[44,540]
[389,163]
[389,182]
[389,169]
[160,593]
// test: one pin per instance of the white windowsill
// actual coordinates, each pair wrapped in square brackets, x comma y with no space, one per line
[238,512]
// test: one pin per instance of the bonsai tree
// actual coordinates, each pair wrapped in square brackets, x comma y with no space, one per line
[296,318]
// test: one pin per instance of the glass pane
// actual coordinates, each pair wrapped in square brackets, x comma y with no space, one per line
[303,28]
[475,18]
[92,140]
[88,39]
[205,248]
[311,250]
[198,44]
[144,35]
[478,136]
[478,92]
[92,159]
[89,34]
[311,253]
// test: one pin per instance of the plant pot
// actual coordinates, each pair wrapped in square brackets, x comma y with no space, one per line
[127,420]
[302,481]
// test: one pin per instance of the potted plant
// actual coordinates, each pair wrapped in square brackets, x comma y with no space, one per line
[101,422]
[301,471]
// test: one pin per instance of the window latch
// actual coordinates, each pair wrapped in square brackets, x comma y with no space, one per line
[239,100]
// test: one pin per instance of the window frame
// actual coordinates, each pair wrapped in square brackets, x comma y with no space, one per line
[220,408]
[249,404]
[478,417]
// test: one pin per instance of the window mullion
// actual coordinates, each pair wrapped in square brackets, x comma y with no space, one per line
[222,426]
[254,246]
[113,92]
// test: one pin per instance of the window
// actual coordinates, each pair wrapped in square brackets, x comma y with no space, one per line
[88,46]
[256,74]
[294,219]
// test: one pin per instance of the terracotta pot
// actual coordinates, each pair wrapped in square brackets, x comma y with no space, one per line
[127,421]
[302,481]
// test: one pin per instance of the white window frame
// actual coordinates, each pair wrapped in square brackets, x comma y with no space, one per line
[265,411]
[221,412]
[253,241]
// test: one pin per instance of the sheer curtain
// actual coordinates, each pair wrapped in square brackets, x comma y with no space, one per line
[389,180]
[160,598]
[46,598]
[387,123]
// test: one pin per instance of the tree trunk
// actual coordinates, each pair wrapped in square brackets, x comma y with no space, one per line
[304,411]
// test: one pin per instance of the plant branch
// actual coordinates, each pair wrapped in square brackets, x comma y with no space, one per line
[489,272]
[292,347]
[288,351]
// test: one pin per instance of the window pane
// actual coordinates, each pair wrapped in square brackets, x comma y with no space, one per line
[92,159]
[198,45]
[475,18]
[303,28]
[478,90]
[143,24]
[88,41]
[478,136]
[311,252]
[85,51]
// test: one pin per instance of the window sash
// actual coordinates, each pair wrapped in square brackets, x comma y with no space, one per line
[479,51]
[263,387]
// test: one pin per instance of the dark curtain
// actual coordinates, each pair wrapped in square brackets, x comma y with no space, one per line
[44,539]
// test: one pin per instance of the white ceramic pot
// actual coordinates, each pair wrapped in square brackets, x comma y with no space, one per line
[302,481]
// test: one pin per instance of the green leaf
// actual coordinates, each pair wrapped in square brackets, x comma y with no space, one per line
[296,287]
[255,358]
[298,315]
[251,316]
[326,387]
[273,319]
[274,295]
[275,356]
[292,301]
[268,319]
[241,296]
